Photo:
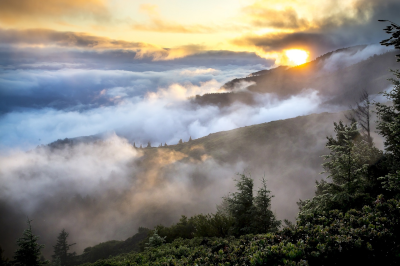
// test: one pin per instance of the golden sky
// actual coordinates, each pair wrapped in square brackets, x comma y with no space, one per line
[186,27]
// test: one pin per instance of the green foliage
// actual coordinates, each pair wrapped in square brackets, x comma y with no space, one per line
[347,165]
[263,218]
[112,248]
[240,206]
[389,128]
[61,256]
[28,252]
[368,236]
[155,240]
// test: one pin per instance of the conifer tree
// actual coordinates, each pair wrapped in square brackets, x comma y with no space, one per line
[389,118]
[347,167]
[148,145]
[190,139]
[240,206]
[263,218]
[28,252]
[61,248]
[180,141]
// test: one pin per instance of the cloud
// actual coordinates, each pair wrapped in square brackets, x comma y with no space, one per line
[104,190]
[47,37]
[14,12]
[159,24]
[297,24]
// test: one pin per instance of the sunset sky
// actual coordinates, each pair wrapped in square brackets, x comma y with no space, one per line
[266,27]
[71,68]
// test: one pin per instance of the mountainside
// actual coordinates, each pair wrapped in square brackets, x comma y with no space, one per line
[337,83]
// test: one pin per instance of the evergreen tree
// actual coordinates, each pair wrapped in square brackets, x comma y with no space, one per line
[389,119]
[190,139]
[155,240]
[165,144]
[28,252]
[263,218]
[148,145]
[180,141]
[134,145]
[347,166]
[240,206]
[61,248]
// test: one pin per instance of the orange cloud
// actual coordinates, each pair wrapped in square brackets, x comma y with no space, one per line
[12,12]
[158,24]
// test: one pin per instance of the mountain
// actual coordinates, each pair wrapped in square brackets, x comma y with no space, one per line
[338,81]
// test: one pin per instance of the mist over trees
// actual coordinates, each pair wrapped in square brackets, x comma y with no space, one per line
[351,220]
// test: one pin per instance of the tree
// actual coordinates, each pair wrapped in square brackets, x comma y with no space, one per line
[361,114]
[263,218]
[393,29]
[347,167]
[134,145]
[28,252]
[155,240]
[180,141]
[240,206]
[165,144]
[190,139]
[61,248]
[141,146]
[148,145]
[389,119]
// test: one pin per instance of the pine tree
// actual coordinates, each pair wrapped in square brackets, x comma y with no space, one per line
[190,139]
[180,141]
[148,145]
[389,119]
[263,218]
[347,167]
[28,252]
[155,240]
[240,206]
[61,248]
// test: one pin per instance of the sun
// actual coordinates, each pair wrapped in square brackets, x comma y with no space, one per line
[296,56]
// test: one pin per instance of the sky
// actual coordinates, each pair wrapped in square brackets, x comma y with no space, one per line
[128,71]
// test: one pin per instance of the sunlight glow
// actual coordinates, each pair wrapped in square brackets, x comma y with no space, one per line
[297,56]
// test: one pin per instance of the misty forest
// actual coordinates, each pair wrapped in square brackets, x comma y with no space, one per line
[120,152]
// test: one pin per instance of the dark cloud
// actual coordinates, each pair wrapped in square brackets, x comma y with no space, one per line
[327,33]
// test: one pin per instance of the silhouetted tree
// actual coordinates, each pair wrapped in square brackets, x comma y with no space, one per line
[394,40]
[240,206]
[263,218]
[134,145]
[165,145]
[190,139]
[148,145]
[61,248]
[28,252]
[361,114]
[180,141]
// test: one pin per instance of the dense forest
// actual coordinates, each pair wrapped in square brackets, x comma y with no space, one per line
[352,219]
